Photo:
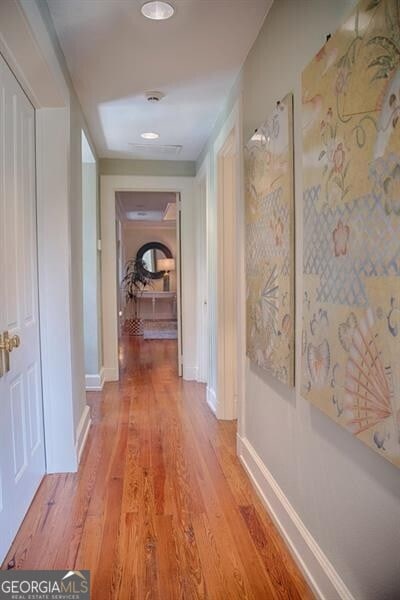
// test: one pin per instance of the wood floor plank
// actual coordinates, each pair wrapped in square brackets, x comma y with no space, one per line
[169,568]
[103,583]
[224,580]
[161,508]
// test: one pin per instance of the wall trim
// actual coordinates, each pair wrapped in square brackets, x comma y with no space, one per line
[82,432]
[212,399]
[110,374]
[95,383]
[318,570]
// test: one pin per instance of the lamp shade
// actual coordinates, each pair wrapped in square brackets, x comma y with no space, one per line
[166,264]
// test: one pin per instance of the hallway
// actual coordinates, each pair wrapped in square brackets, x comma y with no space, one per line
[161,507]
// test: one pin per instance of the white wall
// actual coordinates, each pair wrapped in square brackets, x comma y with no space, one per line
[336,501]
[76,125]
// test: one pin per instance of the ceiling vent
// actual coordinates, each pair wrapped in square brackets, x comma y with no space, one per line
[154,96]
[155,150]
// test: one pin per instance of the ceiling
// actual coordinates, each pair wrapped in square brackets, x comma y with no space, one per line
[150,207]
[115,55]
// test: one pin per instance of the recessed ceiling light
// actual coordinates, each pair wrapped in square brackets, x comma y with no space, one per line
[150,135]
[157,10]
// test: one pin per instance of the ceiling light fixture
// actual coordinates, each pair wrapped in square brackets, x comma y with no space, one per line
[157,10]
[150,135]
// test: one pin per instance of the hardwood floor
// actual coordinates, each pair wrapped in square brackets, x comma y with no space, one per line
[161,507]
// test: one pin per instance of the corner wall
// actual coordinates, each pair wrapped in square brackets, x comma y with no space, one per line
[73,166]
[336,502]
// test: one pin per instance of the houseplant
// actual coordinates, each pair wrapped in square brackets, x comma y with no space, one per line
[134,282]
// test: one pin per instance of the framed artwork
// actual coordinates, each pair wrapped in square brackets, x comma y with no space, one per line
[270,244]
[351,252]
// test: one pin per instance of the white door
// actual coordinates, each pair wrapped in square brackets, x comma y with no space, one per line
[22,461]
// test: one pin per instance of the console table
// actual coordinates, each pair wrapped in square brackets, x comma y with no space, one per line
[155,297]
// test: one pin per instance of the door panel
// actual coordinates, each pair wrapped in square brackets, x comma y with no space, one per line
[18,431]
[10,221]
[22,462]
[35,408]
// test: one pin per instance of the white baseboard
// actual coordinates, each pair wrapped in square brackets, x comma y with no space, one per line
[212,399]
[95,383]
[82,432]
[190,373]
[318,570]
[110,374]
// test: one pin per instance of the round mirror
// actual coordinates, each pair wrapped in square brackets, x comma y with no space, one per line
[151,253]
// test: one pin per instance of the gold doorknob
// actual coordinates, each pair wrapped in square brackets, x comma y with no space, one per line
[9,343]
[15,342]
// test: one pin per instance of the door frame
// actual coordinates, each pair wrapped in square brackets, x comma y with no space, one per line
[178,236]
[230,296]
[26,45]
[109,185]
[203,194]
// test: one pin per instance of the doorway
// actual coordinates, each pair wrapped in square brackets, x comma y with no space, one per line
[148,269]
[22,456]
[226,274]
[186,298]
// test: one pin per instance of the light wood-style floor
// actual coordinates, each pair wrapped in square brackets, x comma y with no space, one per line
[161,507]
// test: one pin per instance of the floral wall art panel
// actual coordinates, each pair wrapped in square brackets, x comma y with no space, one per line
[270,244]
[351,252]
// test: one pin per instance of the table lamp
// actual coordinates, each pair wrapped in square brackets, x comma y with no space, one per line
[166,265]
